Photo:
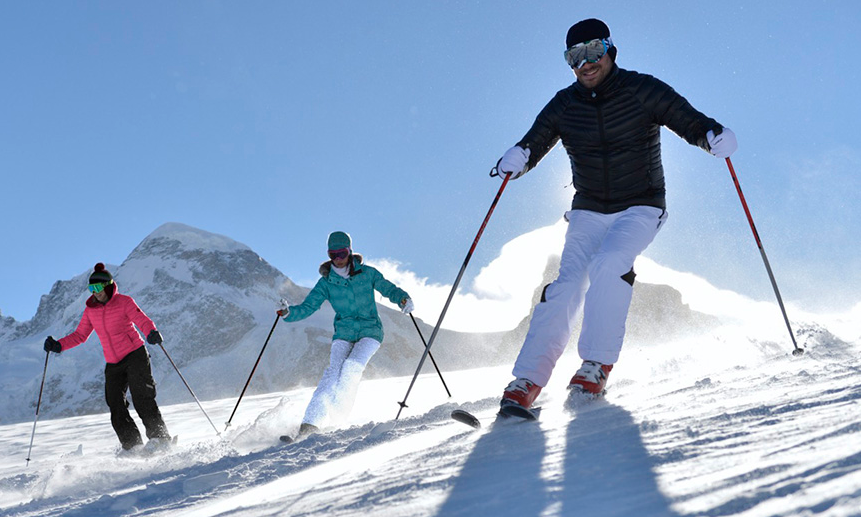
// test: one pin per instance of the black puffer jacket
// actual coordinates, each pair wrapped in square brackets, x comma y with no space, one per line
[613,139]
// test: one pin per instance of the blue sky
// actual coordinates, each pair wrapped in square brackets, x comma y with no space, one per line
[275,123]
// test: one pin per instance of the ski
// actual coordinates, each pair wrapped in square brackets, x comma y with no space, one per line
[153,447]
[287,439]
[466,417]
[156,446]
[305,430]
[517,412]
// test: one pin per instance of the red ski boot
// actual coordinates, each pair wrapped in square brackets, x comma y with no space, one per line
[591,377]
[522,392]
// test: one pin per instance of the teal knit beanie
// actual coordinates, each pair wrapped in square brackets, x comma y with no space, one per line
[339,240]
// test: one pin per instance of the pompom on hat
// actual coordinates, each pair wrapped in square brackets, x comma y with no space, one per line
[101,275]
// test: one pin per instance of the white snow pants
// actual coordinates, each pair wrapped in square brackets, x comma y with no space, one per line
[599,251]
[333,399]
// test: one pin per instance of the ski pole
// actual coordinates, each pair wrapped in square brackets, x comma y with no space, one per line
[403,403]
[38,404]
[189,388]
[227,424]
[797,351]
[430,355]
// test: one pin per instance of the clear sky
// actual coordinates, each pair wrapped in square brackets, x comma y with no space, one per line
[275,123]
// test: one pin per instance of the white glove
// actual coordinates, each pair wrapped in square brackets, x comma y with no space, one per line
[513,162]
[282,309]
[723,144]
[407,305]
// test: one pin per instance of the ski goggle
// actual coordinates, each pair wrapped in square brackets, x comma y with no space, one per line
[97,288]
[588,52]
[339,254]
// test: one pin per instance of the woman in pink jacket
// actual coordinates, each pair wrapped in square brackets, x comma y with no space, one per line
[113,316]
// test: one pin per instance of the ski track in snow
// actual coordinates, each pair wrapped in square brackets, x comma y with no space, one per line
[714,427]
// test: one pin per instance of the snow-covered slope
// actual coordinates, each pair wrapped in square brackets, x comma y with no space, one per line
[724,424]
[213,300]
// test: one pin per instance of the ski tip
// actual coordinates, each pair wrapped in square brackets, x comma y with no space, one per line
[465,417]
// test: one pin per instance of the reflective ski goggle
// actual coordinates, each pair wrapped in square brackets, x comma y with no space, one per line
[339,254]
[588,52]
[97,288]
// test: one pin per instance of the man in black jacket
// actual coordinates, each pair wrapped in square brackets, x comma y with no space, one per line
[609,121]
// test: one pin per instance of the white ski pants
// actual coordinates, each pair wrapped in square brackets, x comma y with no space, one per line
[333,399]
[597,263]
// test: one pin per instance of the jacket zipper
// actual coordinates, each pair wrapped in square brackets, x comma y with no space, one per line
[604,157]
[105,325]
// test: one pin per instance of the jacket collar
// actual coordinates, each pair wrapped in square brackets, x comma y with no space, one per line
[111,290]
[355,266]
[606,85]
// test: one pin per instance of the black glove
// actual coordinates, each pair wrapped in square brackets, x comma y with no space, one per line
[154,337]
[52,345]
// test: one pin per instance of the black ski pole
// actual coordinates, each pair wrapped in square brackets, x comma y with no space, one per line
[189,388]
[797,351]
[430,355]
[403,403]
[38,404]
[227,424]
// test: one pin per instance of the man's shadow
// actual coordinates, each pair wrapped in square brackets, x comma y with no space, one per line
[502,475]
[608,470]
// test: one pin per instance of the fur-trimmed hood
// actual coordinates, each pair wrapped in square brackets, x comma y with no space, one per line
[355,264]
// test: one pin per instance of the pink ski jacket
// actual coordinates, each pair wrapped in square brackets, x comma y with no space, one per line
[114,323]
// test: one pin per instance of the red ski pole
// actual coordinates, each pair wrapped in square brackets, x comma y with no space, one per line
[797,351]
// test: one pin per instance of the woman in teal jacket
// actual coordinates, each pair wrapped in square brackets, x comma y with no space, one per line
[348,284]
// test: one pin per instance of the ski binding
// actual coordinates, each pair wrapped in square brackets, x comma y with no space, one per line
[518,411]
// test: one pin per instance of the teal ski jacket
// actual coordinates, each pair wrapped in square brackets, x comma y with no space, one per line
[352,298]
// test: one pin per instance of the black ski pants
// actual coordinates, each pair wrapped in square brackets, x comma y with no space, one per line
[133,373]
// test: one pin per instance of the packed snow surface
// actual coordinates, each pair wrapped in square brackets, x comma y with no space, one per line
[717,425]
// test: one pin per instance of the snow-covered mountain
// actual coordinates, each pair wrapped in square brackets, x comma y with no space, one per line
[213,300]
